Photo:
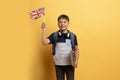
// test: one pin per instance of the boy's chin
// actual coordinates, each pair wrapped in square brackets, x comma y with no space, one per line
[63,29]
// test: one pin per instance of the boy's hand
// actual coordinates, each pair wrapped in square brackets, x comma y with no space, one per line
[43,26]
[75,65]
[76,60]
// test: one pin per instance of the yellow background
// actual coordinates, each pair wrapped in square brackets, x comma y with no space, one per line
[95,22]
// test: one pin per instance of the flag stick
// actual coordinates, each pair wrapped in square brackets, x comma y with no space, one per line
[44,11]
[43,18]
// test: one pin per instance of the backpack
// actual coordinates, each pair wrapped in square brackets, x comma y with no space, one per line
[55,35]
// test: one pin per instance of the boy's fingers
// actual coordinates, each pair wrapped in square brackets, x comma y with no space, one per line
[43,24]
[75,65]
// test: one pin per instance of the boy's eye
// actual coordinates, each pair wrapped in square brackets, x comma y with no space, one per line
[63,22]
[60,22]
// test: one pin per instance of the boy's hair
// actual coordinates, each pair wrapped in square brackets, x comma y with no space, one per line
[63,16]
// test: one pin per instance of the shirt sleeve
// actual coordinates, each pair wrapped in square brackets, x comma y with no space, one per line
[76,42]
[51,38]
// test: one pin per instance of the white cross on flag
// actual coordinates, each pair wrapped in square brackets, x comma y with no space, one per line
[37,13]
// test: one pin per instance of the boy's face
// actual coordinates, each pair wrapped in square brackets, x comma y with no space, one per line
[63,24]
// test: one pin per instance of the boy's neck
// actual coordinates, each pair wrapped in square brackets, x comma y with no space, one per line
[64,31]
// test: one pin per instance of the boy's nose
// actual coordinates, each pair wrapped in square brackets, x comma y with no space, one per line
[62,23]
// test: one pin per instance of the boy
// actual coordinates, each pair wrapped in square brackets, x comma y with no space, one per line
[62,48]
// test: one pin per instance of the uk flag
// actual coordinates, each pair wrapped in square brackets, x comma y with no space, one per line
[37,13]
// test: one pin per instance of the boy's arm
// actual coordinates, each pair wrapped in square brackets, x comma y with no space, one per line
[77,56]
[45,40]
